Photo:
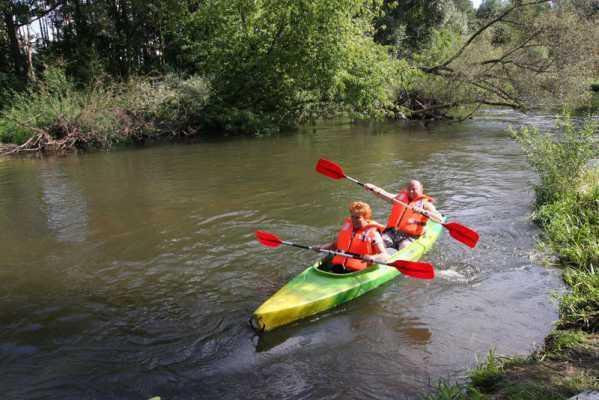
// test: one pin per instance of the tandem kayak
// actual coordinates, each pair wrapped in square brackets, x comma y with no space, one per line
[314,290]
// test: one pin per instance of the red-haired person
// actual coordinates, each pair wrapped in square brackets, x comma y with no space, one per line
[358,235]
[405,225]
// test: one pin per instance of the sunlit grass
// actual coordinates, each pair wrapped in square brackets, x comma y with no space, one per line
[105,112]
[561,340]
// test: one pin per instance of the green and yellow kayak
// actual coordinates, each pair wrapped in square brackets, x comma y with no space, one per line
[314,290]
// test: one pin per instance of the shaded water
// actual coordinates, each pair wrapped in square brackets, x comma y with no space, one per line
[133,274]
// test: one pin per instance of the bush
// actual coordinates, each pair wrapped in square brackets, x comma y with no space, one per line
[104,113]
[560,161]
[54,106]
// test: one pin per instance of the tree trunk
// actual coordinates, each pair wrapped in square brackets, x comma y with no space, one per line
[13,42]
[29,50]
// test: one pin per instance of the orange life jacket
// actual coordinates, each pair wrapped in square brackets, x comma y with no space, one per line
[405,219]
[356,241]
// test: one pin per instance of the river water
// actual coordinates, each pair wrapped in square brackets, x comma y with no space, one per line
[133,274]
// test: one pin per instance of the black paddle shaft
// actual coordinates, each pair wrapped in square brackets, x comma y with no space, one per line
[319,250]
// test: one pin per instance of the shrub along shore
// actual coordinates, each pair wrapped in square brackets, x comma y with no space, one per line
[57,116]
[567,211]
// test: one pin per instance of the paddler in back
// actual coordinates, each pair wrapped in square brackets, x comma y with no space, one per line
[405,225]
[358,235]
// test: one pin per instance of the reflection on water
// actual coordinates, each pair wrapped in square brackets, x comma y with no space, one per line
[65,206]
[133,274]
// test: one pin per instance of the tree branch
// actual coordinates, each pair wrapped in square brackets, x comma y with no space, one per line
[513,50]
[484,28]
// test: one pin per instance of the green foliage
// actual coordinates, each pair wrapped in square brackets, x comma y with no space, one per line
[489,8]
[579,309]
[288,62]
[104,113]
[568,212]
[454,392]
[443,44]
[9,84]
[174,104]
[409,25]
[571,224]
[40,106]
[561,340]
[487,375]
[560,161]
[532,391]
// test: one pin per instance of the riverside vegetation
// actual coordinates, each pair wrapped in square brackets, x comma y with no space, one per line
[85,74]
[91,74]
[567,210]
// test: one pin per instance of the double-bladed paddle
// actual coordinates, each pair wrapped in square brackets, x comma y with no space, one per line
[420,270]
[458,231]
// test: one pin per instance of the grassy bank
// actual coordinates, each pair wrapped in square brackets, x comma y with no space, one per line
[567,210]
[57,115]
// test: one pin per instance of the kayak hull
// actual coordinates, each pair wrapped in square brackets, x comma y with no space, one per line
[314,291]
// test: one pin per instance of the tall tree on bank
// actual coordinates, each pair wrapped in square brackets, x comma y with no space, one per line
[11,13]
[283,62]
[120,37]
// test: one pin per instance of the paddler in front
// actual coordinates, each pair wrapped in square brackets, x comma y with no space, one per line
[358,235]
[405,225]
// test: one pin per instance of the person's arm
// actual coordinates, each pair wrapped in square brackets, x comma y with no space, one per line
[430,207]
[380,193]
[379,245]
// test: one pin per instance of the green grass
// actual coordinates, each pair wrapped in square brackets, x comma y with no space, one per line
[571,227]
[445,391]
[561,340]
[535,391]
[487,375]
[104,113]
[579,309]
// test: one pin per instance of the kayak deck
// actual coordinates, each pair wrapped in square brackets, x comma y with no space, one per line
[314,290]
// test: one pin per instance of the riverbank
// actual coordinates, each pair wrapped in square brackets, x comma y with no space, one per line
[58,116]
[567,211]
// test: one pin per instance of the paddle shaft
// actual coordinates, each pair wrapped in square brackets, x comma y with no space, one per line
[417,209]
[333,252]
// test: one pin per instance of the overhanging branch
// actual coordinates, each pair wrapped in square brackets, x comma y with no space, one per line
[481,30]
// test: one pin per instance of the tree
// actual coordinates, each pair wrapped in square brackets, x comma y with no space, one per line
[409,25]
[284,62]
[542,61]
[489,9]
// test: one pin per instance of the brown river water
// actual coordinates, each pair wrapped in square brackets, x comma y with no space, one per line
[132,274]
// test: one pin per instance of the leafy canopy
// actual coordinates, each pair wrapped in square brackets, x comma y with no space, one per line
[290,61]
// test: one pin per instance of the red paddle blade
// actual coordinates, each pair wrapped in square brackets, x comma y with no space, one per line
[420,270]
[329,169]
[268,239]
[463,234]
